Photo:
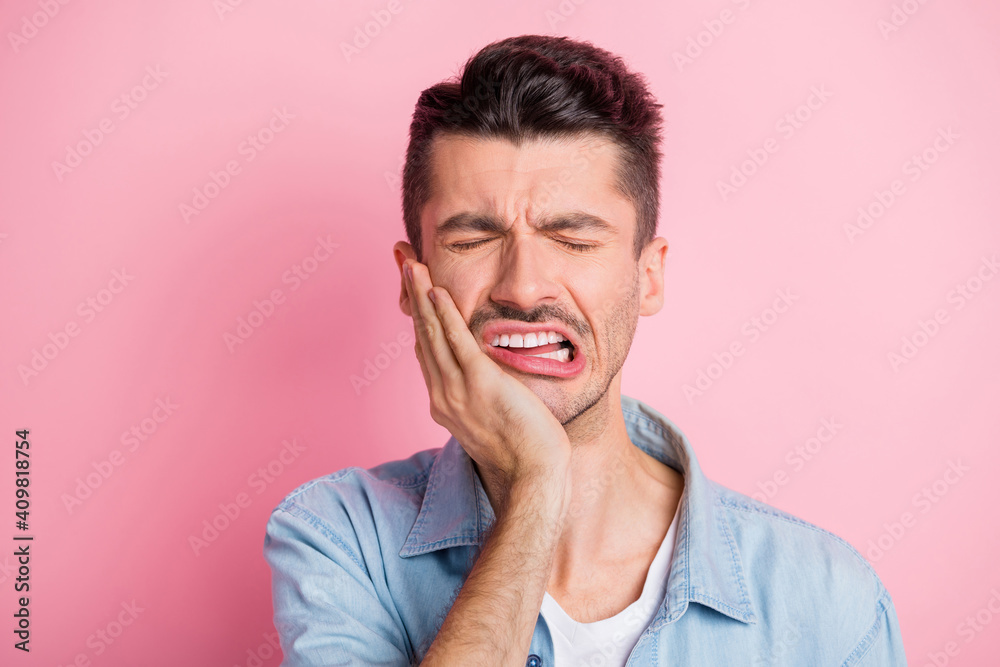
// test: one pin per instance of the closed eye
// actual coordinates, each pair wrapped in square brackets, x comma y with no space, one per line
[470,245]
[580,247]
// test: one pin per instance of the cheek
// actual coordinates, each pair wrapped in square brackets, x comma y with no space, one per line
[593,293]
[465,287]
[445,272]
[608,305]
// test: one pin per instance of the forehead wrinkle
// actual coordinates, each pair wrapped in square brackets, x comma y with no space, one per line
[490,221]
[521,190]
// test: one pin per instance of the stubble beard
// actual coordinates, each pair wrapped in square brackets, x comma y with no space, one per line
[584,414]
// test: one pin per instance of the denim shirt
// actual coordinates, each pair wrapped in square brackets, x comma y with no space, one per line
[366,564]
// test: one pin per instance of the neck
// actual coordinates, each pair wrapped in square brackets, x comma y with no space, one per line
[622,499]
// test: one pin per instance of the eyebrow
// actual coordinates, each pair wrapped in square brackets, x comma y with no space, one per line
[488,222]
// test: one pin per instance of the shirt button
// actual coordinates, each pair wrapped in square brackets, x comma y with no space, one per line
[533,661]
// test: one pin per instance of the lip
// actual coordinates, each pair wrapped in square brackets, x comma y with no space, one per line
[539,365]
[535,365]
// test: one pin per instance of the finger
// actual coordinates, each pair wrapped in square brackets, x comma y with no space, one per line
[435,335]
[463,343]
[432,374]
[423,367]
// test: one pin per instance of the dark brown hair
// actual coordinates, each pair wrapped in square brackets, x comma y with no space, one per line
[539,86]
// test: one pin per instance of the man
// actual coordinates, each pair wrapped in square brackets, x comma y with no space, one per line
[563,523]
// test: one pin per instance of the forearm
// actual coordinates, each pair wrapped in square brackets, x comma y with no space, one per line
[493,618]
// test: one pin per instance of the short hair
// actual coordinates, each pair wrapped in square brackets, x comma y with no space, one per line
[536,87]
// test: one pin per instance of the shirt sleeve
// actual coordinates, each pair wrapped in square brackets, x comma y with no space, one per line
[326,608]
[884,642]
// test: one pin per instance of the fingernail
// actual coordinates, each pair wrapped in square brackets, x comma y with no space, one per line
[408,270]
[431,296]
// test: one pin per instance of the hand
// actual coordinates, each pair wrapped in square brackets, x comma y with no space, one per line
[510,433]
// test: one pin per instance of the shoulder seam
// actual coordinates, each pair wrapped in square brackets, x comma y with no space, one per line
[794,520]
[866,643]
[302,513]
[409,482]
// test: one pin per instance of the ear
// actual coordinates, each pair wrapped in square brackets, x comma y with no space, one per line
[651,276]
[401,252]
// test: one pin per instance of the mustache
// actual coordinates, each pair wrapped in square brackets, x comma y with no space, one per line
[546,313]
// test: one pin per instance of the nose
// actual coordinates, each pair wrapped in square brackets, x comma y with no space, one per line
[525,277]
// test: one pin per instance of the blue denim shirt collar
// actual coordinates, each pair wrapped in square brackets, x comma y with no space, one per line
[705,567]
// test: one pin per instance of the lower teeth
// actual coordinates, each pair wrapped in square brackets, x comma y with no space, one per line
[558,355]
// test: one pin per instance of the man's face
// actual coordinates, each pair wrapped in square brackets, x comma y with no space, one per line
[526,270]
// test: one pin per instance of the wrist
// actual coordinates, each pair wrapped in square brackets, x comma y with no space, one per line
[544,492]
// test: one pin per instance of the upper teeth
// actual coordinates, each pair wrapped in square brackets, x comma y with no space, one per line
[527,340]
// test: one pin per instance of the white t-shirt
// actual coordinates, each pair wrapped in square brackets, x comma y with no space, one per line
[609,641]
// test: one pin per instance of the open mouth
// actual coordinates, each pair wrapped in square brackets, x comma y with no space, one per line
[559,351]
[545,345]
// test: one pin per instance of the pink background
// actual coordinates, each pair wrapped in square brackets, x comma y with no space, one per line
[332,173]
